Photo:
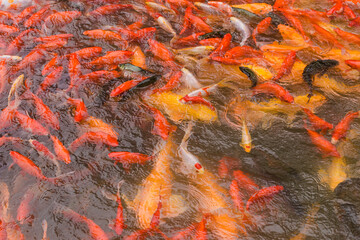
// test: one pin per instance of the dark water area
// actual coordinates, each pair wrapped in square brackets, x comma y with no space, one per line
[286,187]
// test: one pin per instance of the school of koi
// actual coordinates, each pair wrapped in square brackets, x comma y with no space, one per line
[72,54]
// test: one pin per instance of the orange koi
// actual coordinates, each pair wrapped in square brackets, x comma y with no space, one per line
[327,35]
[317,122]
[355,22]
[172,83]
[181,3]
[98,138]
[279,4]
[24,209]
[242,52]
[223,168]
[28,166]
[196,100]
[108,10]
[126,158]
[337,8]
[37,17]
[51,65]
[7,116]
[286,66]
[222,47]
[125,87]
[31,59]
[6,29]
[60,150]
[139,58]
[274,89]
[51,46]
[17,44]
[25,14]
[88,53]
[98,77]
[51,79]
[160,51]
[5,139]
[80,109]
[196,22]
[145,34]
[341,129]
[65,36]
[60,19]
[297,24]
[245,182]
[7,18]
[44,112]
[108,36]
[262,195]
[30,125]
[42,149]
[162,127]
[189,41]
[236,196]
[95,231]
[353,64]
[350,37]
[119,224]
[211,42]
[324,146]
[349,13]
[261,28]
[200,233]
[74,70]
[111,58]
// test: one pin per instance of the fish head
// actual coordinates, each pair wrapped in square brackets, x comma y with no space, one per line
[199,168]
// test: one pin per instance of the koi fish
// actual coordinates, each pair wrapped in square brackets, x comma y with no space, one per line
[236,196]
[22,39]
[24,209]
[29,166]
[25,14]
[160,51]
[353,64]
[46,39]
[196,100]
[262,195]
[245,182]
[95,231]
[107,36]
[317,122]
[51,65]
[61,152]
[274,89]
[200,231]
[286,66]
[261,28]
[246,138]
[8,30]
[108,10]
[96,124]
[16,84]
[113,58]
[195,21]
[126,158]
[342,127]
[80,109]
[161,127]
[30,125]
[94,138]
[242,52]
[324,146]
[125,87]
[191,163]
[44,151]
[172,83]
[222,47]
[60,19]
[51,79]
[37,17]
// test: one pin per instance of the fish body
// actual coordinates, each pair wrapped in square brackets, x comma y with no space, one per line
[30,125]
[127,158]
[342,127]
[196,100]
[80,109]
[274,89]
[317,122]
[60,150]
[262,194]
[95,138]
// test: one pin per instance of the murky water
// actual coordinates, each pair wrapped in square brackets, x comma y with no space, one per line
[320,196]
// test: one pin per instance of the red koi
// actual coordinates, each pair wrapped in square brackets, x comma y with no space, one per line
[155,220]
[95,231]
[60,150]
[94,138]
[51,46]
[74,70]
[6,29]
[211,42]
[52,65]
[111,58]
[286,66]
[44,112]
[7,18]
[126,34]
[108,36]
[119,223]
[200,232]
[42,149]
[196,100]
[126,158]
[34,57]
[28,166]
[60,19]
[125,87]
[317,122]
[261,28]
[349,13]
[80,111]
[30,125]
[65,36]
[160,51]
[188,41]
[88,53]
[24,209]
[98,77]
[7,117]
[181,3]
[171,84]
[196,22]
[295,22]
[355,22]
[25,14]
[337,8]
[37,17]
[262,195]
[353,64]
[5,139]
[274,89]
[223,7]
[51,79]
[327,35]
[324,146]
[145,34]
[341,129]
[162,127]
[223,47]
[109,9]
[236,196]
[223,169]
[279,4]
[245,182]
[243,51]
[349,37]
[17,44]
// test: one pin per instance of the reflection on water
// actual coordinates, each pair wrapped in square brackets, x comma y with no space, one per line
[132,120]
